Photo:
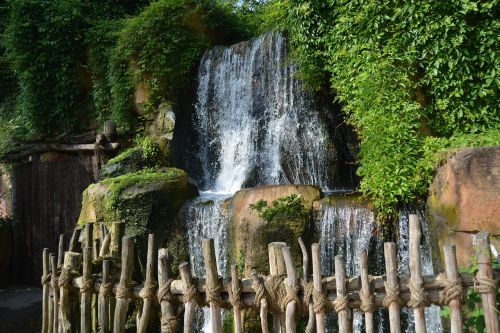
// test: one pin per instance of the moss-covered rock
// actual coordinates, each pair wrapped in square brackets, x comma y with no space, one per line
[147,202]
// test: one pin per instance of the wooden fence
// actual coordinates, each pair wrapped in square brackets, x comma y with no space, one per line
[75,300]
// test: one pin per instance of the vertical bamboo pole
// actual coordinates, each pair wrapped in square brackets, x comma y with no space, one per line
[486,285]
[168,318]
[55,299]
[74,240]
[117,231]
[344,315]
[451,269]
[305,276]
[147,291]
[212,280]
[276,267]
[416,273]
[105,245]
[45,291]
[392,283]
[291,281]
[60,252]
[72,261]
[366,290]
[86,294]
[102,232]
[236,291]
[103,300]
[189,305]
[50,327]
[124,285]
[263,304]
[316,262]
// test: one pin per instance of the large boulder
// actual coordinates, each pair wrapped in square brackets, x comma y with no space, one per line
[146,202]
[465,198]
[251,234]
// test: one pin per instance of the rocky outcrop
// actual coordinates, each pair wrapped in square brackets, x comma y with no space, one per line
[131,160]
[251,234]
[465,198]
[5,193]
[160,128]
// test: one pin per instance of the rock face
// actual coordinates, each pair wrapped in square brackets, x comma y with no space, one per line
[146,201]
[251,235]
[131,160]
[465,198]
[161,128]
[5,193]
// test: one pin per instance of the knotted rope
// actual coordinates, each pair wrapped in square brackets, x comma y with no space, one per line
[124,292]
[164,293]
[453,290]
[391,296]
[46,278]
[260,290]
[65,277]
[106,289]
[308,288]
[87,286]
[54,283]
[235,298]
[169,324]
[341,303]
[148,291]
[418,296]
[367,303]
[277,292]
[483,284]
[290,295]
[320,302]
[213,295]
[190,294]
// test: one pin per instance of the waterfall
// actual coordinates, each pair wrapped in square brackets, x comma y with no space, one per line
[255,123]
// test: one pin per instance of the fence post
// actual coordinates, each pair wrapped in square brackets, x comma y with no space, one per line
[365,293]
[391,287]
[189,302]
[484,282]
[124,285]
[416,283]
[212,284]
[454,279]
[103,299]
[72,261]
[291,290]
[45,292]
[320,311]
[342,301]
[55,291]
[147,293]
[86,284]
[117,231]
[168,318]
[235,299]
[305,269]
[60,252]
[73,240]
[277,266]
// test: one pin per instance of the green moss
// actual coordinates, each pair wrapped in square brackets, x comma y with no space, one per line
[124,155]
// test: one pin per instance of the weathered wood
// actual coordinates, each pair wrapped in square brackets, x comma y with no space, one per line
[105,245]
[60,252]
[235,290]
[121,307]
[102,233]
[276,267]
[316,263]
[72,261]
[103,301]
[291,281]
[73,242]
[50,327]
[168,318]
[305,276]
[117,230]
[109,129]
[40,148]
[344,315]
[55,295]
[148,286]
[484,276]
[86,295]
[366,290]
[392,282]
[213,292]
[416,270]
[451,269]
[189,305]
[45,291]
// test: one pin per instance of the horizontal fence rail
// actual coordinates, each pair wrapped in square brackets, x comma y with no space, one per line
[75,300]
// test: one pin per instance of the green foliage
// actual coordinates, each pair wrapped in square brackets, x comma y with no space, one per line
[406,73]
[287,208]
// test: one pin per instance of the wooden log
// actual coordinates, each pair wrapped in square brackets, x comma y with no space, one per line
[168,318]
[392,283]
[102,233]
[117,231]
[40,148]
[149,286]
[277,267]
[73,242]
[213,288]
[85,290]
[416,274]
[341,306]
[45,291]
[55,295]
[256,280]
[50,327]
[451,269]
[105,245]
[72,261]
[366,290]
[236,291]
[109,129]
[291,281]
[189,305]
[121,307]
[485,286]
[316,263]
[305,276]
[103,300]
[60,252]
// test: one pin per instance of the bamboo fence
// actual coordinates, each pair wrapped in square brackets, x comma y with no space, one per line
[75,300]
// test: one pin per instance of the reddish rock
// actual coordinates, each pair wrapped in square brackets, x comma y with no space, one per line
[465,198]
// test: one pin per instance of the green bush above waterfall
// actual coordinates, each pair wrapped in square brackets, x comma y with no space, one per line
[413,77]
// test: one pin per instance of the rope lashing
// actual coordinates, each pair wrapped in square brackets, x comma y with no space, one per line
[260,290]
[213,295]
[277,292]
[54,283]
[391,296]
[87,286]
[65,278]
[164,293]
[46,278]
[169,324]
[123,292]
[235,298]
[291,295]
[453,290]
[190,294]
[367,303]
[418,296]
[308,288]
[106,289]
[320,302]
[483,284]
[341,303]
[148,291]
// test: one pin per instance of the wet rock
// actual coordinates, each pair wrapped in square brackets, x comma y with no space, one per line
[465,198]
[131,160]
[161,128]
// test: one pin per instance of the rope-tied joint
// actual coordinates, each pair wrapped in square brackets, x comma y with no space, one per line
[260,290]
[320,302]
[106,289]
[276,291]
[483,284]
[292,294]
[191,293]
[213,295]
[235,298]
[367,302]
[45,278]
[418,295]
[164,293]
[169,324]
[341,303]
[453,290]
[391,296]
[148,291]
[124,291]
[87,286]
[54,283]
[65,277]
